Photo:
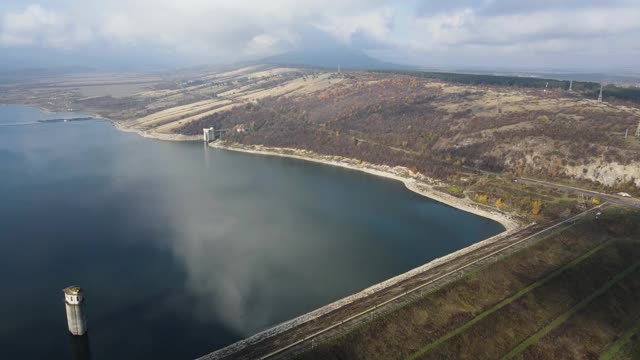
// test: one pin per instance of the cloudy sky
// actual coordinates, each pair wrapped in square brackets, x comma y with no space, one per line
[544,34]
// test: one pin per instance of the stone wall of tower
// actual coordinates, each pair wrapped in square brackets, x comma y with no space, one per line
[76,320]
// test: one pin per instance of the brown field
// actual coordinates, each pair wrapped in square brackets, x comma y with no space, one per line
[589,274]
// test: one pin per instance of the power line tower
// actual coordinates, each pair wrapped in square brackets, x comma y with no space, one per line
[582,202]
[600,95]
[570,85]
[638,130]
[546,86]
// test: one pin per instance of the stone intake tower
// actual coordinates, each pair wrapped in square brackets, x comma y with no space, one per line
[74,303]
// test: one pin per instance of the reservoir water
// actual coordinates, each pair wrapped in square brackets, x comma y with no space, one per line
[183,249]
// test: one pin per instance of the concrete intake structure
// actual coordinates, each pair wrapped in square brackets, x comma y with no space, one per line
[74,302]
[209,134]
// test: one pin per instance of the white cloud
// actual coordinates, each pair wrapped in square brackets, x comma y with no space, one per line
[376,24]
[587,34]
[225,30]
[31,25]
[467,27]
[221,29]
[37,26]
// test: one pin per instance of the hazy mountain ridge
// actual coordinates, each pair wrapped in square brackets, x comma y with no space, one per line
[347,59]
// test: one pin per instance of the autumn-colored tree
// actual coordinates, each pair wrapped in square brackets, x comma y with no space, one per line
[499,203]
[536,207]
[481,198]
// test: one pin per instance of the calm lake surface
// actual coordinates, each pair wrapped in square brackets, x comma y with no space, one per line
[183,249]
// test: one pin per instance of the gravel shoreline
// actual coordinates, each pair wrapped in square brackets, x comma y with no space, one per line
[155,135]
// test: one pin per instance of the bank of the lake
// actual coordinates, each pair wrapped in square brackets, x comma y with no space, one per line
[415,182]
[122,126]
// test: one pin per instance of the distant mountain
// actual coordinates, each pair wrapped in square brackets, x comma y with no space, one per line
[331,58]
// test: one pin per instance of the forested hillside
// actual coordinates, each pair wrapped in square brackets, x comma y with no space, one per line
[436,125]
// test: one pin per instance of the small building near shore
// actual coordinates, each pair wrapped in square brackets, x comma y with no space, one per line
[209,134]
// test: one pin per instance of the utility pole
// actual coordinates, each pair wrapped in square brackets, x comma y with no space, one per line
[582,202]
[570,85]
[600,96]
[638,130]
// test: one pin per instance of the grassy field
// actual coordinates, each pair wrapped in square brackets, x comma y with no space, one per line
[571,295]
[628,350]
[623,347]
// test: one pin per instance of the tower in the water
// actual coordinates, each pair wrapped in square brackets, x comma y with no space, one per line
[74,302]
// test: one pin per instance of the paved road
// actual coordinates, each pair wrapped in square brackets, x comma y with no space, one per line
[614,199]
